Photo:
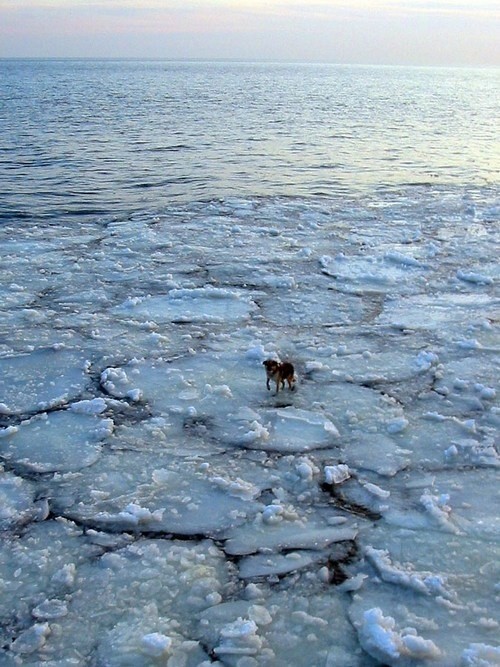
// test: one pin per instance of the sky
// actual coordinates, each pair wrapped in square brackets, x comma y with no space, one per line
[387,32]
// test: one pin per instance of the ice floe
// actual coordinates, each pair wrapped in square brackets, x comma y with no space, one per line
[158,505]
[58,441]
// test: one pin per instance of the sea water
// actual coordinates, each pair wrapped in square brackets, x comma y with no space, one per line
[118,136]
[164,228]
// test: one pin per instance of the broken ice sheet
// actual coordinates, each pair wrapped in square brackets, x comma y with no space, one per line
[283,430]
[60,441]
[127,597]
[281,528]
[17,501]
[204,383]
[283,628]
[421,581]
[156,494]
[207,304]
[444,313]
[38,565]
[193,394]
[370,367]
[375,273]
[353,408]
[42,379]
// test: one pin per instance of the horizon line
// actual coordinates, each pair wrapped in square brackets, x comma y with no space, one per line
[236,60]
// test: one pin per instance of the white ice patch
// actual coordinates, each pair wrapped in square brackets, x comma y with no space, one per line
[207,304]
[284,430]
[436,312]
[374,273]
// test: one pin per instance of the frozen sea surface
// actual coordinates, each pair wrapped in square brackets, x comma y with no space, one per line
[159,506]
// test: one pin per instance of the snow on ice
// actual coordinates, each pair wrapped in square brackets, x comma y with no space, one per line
[159,506]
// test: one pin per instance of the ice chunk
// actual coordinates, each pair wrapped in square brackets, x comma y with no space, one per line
[32,639]
[263,565]
[93,406]
[337,474]
[474,277]
[376,491]
[287,534]
[239,638]
[424,583]
[50,609]
[155,644]
[437,507]
[382,640]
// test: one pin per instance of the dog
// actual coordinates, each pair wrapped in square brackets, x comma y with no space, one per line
[279,372]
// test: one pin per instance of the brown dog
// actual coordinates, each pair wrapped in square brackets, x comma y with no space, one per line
[279,372]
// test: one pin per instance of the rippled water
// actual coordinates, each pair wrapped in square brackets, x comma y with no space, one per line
[111,137]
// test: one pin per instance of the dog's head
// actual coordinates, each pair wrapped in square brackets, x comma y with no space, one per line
[271,366]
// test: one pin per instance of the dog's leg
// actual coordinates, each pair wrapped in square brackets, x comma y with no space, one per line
[277,385]
[267,384]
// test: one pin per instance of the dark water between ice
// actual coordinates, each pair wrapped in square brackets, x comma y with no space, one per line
[113,137]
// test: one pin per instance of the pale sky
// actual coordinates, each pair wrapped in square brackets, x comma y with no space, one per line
[415,32]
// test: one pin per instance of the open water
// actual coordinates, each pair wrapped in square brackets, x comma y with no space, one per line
[85,137]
